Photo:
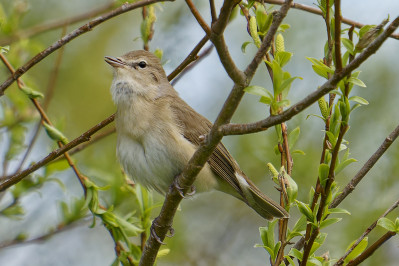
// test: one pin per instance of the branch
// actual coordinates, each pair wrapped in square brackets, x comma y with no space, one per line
[67,38]
[371,227]
[317,11]
[337,35]
[217,39]
[358,177]
[162,224]
[366,168]
[47,26]
[198,17]
[370,250]
[239,129]
[190,58]
[199,58]
[13,179]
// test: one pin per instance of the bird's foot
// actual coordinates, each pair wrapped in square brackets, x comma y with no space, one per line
[154,234]
[181,190]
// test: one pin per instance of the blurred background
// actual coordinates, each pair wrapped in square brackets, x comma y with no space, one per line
[212,228]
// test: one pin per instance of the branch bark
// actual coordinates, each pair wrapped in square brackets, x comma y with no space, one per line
[69,37]
[13,179]
[317,11]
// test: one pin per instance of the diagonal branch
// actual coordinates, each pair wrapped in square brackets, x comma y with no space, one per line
[163,222]
[12,180]
[317,11]
[51,25]
[366,168]
[369,229]
[239,129]
[69,37]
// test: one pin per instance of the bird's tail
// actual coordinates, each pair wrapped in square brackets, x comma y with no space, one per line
[262,204]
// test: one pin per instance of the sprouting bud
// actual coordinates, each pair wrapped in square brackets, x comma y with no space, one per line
[323,107]
[273,172]
[253,30]
[280,43]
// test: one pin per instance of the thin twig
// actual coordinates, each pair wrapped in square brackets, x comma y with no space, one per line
[370,250]
[93,140]
[213,11]
[189,59]
[366,168]
[198,17]
[69,37]
[317,11]
[239,129]
[47,26]
[200,57]
[337,35]
[13,179]
[369,229]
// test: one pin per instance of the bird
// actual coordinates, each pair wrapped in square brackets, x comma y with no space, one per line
[158,132]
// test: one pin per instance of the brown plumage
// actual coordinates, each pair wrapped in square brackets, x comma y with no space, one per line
[158,133]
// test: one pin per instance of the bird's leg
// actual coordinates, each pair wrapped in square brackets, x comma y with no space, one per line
[180,189]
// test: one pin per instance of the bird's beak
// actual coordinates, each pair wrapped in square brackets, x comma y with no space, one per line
[115,61]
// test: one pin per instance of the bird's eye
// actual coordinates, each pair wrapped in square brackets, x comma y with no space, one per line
[142,64]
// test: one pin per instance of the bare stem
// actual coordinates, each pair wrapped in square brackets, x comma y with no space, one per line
[13,179]
[69,37]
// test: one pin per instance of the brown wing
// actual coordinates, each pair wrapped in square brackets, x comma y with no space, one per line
[193,126]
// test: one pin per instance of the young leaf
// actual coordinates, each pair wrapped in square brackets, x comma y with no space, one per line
[244,46]
[387,224]
[356,81]
[283,57]
[296,254]
[259,91]
[323,173]
[305,210]
[348,45]
[357,250]
[293,137]
[328,222]
[54,133]
[338,210]
[359,99]
[339,167]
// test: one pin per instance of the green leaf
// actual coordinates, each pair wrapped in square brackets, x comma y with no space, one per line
[286,84]
[298,229]
[387,224]
[359,99]
[328,222]
[357,250]
[291,262]
[293,137]
[31,93]
[356,81]
[338,210]
[324,169]
[296,254]
[283,57]
[305,210]
[56,166]
[54,133]
[266,100]
[348,45]
[339,167]
[4,49]
[259,91]
[244,46]
[276,249]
